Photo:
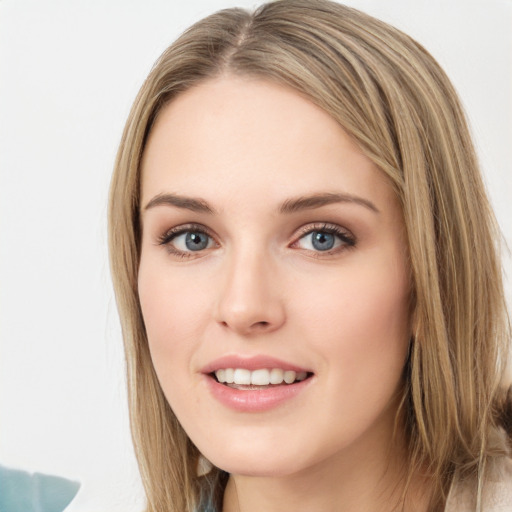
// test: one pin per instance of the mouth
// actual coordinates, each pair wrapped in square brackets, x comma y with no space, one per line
[258,379]
[256,383]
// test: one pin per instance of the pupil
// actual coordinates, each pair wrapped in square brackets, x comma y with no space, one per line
[196,241]
[323,241]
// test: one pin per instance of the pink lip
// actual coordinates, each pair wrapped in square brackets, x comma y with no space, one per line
[250,363]
[252,400]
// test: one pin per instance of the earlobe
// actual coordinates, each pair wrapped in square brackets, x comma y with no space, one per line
[204,466]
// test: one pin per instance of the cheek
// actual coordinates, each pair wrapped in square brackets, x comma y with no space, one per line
[360,319]
[173,312]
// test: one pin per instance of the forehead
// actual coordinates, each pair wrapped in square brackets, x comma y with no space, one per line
[235,135]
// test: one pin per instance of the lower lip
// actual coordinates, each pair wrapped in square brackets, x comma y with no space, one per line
[255,400]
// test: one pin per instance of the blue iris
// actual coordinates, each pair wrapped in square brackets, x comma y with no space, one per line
[322,241]
[195,241]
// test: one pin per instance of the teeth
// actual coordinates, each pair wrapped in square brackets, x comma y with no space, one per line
[242,376]
[221,375]
[261,377]
[276,376]
[230,375]
[289,376]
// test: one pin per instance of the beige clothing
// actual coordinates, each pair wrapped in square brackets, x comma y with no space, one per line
[496,493]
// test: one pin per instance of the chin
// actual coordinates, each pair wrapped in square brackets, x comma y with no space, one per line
[256,468]
[258,462]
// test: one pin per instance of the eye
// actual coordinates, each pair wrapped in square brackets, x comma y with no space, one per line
[325,238]
[185,240]
[192,241]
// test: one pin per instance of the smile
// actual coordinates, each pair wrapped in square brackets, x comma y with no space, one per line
[255,384]
[241,378]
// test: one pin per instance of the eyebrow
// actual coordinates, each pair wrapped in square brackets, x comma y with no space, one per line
[289,206]
[187,203]
[323,199]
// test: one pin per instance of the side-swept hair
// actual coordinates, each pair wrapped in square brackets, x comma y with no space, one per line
[391,96]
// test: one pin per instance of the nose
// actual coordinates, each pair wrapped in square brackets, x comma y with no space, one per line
[250,302]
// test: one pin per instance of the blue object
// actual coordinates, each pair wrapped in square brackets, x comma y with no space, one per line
[24,492]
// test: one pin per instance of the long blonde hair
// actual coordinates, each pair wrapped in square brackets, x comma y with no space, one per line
[392,97]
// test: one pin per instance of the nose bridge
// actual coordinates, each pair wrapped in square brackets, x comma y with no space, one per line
[249,300]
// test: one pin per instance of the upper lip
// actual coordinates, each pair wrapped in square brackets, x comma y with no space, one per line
[250,363]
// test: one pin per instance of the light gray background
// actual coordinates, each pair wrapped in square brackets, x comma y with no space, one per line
[69,71]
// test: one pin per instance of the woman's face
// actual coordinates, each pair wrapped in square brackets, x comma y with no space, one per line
[272,249]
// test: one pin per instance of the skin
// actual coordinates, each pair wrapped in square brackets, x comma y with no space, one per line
[246,146]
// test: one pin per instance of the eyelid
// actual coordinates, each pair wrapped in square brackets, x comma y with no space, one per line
[169,235]
[346,236]
[324,226]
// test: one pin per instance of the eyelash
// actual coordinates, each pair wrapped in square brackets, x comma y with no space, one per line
[167,237]
[348,241]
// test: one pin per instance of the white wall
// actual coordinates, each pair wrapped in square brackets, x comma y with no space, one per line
[69,70]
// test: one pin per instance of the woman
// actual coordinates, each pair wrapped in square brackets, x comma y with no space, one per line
[306,269]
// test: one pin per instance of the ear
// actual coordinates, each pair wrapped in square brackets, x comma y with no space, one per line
[204,466]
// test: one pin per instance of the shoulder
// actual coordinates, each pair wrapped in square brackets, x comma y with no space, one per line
[20,490]
[496,490]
